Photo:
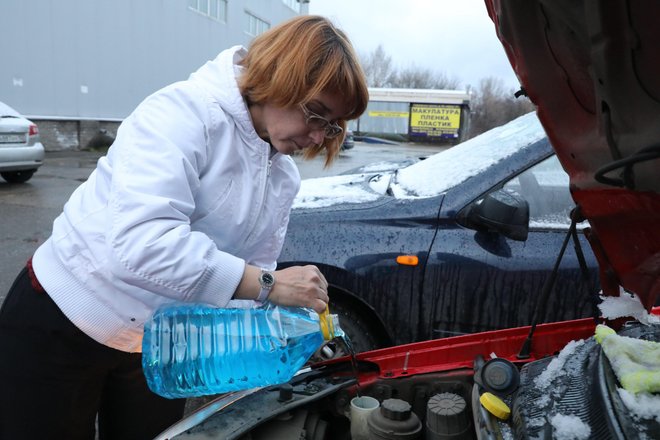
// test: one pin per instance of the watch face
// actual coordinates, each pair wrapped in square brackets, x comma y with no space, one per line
[267,279]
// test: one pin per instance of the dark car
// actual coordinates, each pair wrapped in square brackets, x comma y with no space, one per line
[592,69]
[349,140]
[443,247]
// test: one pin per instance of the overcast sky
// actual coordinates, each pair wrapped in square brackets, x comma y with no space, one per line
[452,36]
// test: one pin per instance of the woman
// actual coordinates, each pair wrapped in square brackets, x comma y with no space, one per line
[191,203]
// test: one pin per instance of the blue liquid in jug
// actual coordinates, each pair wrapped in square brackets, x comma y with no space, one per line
[193,350]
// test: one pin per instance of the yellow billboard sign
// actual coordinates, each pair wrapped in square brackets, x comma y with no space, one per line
[435,120]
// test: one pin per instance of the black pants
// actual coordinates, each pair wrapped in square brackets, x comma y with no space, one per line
[54,379]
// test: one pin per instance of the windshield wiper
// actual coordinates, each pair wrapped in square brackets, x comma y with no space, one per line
[389,191]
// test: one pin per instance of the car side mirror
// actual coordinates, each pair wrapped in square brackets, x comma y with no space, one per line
[502,211]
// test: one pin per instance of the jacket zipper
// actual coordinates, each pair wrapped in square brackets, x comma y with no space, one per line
[263,202]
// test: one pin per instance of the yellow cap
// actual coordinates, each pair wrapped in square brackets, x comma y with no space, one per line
[495,406]
[327,326]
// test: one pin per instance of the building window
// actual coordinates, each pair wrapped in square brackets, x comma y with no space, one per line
[293,4]
[254,25]
[215,9]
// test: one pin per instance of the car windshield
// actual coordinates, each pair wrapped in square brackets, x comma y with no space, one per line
[455,165]
[426,178]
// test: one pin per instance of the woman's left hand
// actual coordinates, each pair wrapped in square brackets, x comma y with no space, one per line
[302,286]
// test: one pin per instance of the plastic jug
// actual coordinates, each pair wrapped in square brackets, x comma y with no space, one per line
[192,350]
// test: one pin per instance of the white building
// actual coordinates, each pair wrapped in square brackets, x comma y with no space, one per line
[80,66]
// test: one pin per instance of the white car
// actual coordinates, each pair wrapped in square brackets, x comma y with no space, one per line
[21,153]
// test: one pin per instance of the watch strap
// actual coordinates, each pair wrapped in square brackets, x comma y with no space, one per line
[263,294]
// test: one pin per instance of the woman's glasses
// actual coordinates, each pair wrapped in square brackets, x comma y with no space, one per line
[318,122]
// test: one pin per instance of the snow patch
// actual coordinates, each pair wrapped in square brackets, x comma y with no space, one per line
[641,405]
[328,191]
[438,173]
[626,305]
[556,367]
[569,427]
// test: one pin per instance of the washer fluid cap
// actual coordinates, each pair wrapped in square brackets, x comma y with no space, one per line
[495,406]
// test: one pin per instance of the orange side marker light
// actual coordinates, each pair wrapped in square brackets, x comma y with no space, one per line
[407,260]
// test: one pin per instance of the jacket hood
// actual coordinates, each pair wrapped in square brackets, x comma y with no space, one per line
[218,77]
[593,72]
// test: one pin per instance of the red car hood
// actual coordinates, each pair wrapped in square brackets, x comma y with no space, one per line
[593,70]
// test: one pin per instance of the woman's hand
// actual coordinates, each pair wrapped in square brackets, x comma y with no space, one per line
[302,286]
[298,286]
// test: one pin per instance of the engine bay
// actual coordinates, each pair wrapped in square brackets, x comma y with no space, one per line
[575,389]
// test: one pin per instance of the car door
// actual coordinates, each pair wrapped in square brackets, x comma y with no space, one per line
[477,281]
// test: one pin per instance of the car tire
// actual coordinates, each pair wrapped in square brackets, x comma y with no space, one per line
[359,332]
[17,176]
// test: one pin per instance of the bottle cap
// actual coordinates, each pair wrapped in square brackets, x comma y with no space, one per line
[327,324]
[495,406]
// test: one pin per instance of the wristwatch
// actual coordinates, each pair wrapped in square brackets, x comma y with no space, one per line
[267,281]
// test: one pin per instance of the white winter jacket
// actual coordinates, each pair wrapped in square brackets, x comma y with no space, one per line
[187,194]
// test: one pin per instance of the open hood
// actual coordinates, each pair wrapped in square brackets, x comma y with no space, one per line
[593,71]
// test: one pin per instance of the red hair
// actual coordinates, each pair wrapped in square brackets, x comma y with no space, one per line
[297,60]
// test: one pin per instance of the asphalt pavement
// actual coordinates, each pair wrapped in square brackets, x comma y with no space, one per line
[28,210]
